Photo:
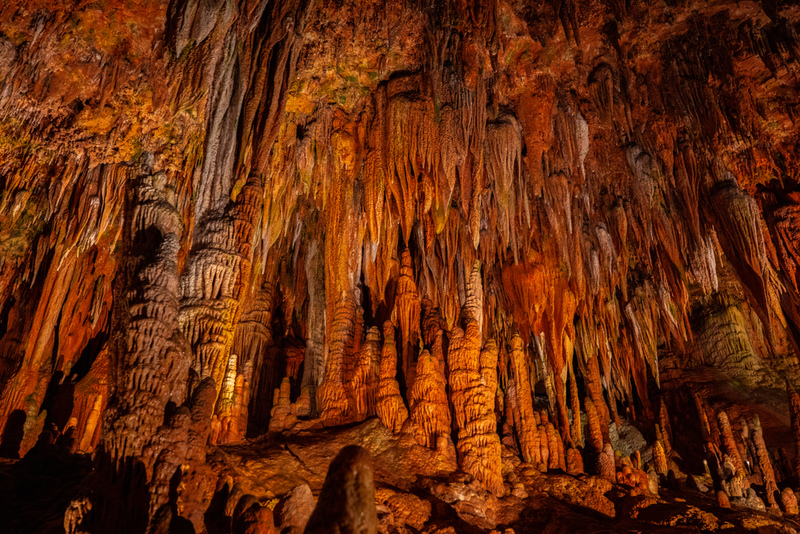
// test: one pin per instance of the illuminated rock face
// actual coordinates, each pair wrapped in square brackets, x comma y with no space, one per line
[473,380]
[528,238]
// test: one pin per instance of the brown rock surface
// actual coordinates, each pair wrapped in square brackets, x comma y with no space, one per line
[473,381]
[294,510]
[347,500]
[390,406]
[428,405]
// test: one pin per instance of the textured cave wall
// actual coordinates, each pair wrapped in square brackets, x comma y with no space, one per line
[602,196]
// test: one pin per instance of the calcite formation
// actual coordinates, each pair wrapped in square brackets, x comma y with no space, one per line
[428,405]
[523,252]
[347,501]
[525,422]
[390,405]
[473,380]
[729,445]
[764,462]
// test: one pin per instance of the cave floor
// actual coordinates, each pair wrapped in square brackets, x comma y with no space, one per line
[416,490]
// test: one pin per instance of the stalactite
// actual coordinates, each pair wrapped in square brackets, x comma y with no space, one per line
[460,166]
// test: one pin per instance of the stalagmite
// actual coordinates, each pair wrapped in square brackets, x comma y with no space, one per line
[574,462]
[527,431]
[575,405]
[595,390]
[555,457]
[333,395]
[347,499]
[91,424]
[390,407]
[722,500]
[473,381]
[606,466]
[666,428]
[660,459]
[366,375]
[211,285]
[428,406]
[408,311]
[150,360]
[595,434]
[284,412]
[473,304]
[764,462]
[794,412]
[789,501]
[729,442]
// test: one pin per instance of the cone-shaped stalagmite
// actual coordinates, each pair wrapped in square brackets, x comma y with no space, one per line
[666,428]
[526,426]
[390,407]
[576,430]
[660,459]
[594,437]
[764,462]
[729,442]
[408,312]
[366,375]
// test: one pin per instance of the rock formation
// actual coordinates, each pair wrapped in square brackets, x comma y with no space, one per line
[390,407]
[473,381]
[521,252]
[347,500]
[428,406]
[764,462]
[526,426]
